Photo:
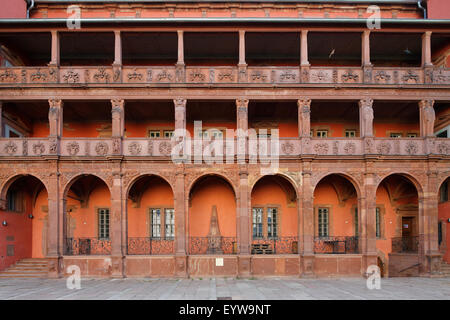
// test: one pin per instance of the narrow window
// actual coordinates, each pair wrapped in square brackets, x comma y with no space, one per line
[15,201]
[103,223]
[272,222]
[169,223]
[356,222]
[323,222]
[377,222]
[257,222]
[155,216]
[444,192]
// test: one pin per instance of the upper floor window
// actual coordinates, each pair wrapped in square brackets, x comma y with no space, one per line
[103,223]
[412,135]
[12,133]
[322,133]
[211,133]
[168,133]
[154,133]
[350,133]
[395,135]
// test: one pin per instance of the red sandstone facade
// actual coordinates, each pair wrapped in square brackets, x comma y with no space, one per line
[86,176]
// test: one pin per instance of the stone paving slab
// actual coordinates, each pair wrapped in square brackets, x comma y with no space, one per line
[226,288]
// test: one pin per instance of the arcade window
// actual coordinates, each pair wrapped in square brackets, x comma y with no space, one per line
[350,133]
[377,222]
[265,222]
[162,223]
[323,220]
[412,135]
[211,133]
[15,201]
[322,133]
[444,192]
[103,223]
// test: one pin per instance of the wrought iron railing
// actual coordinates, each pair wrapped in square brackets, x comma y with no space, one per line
[339,244]
[213,245]
[149,246]
[87,246]
[405,244]
[280,245]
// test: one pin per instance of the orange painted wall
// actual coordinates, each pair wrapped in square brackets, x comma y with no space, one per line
[384,244]
[382,130]
[39,232]
[286,129]
[20,227]
[267,193]
[444,214]
[158,195]
[213,192]
[341,219]
[85,219]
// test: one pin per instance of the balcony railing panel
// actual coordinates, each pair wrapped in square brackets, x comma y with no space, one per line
[213,245]
[280,245]
[405,244]
[336,245]
[86,147]
[150,246]
[87,246]
[24,147]
[77,75]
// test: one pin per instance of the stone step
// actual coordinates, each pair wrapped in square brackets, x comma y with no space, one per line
[26,268]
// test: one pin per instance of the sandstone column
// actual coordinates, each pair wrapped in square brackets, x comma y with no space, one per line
[117,64]
[242,65]
[54,236]
[55,56]
[366,64]
[1,119]
[118,124]
[367,218]
[427,118]
[426,49]
[181,236]
[307,235]
[180,66]
[242,129]
[304,118]
[366,118]
[429,253]
[304,61]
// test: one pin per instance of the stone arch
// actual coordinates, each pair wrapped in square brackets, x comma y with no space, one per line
[346,176]
[9,182]
[291,183]
[411,178]
[136,178]
[221,176]
[75,178]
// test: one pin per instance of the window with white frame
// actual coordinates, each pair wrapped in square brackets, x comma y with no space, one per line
[103,223]
[322,222]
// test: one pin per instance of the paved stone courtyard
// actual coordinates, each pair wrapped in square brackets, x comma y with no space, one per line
[220,288]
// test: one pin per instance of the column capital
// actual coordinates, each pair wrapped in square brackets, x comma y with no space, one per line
[55,103]
[117,103]
[180,102]
[305,103]
[242,103]
[427,103]
[365,103]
